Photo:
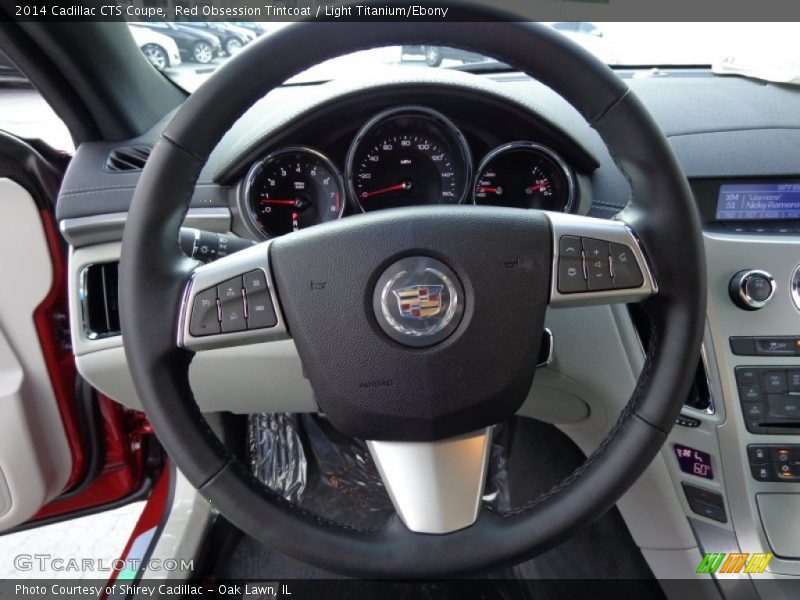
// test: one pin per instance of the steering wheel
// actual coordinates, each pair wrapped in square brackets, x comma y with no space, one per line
[418,328]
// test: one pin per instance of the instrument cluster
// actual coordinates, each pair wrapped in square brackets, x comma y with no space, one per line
[404,156]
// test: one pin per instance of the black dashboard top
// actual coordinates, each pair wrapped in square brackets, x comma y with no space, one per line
[718,126]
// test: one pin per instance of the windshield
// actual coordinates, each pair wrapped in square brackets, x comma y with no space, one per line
[200,48]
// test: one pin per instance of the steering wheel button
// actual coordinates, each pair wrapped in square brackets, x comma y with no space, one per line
[627,273]
[571,276]
[204,314]
[260,312]
[255,281]
[569,246]
[232,305]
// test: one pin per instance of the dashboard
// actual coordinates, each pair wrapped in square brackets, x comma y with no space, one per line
[402,156]
[334,150]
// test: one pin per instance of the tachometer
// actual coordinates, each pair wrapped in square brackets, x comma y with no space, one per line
[408,156]
[524,175]
[291,189]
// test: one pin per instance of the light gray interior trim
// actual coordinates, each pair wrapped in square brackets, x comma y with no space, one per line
[780,515]
[98,229]
[35,458]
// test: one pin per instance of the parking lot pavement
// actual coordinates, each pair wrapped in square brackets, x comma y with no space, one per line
[24,113]
[100,538]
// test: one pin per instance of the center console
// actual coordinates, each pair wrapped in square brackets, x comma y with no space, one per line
[751,433]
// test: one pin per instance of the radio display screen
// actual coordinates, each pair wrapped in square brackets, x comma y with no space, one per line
[767,201]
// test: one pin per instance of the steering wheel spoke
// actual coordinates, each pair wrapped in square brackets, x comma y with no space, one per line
[597,261]
[231,302]
[436,487]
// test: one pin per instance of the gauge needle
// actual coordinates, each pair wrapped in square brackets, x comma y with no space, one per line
[534,188]
[491,190]
[405,186]
[284,202]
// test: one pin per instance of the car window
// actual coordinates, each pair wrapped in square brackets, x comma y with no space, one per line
[24,113]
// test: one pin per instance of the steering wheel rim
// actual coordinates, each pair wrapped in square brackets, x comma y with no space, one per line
[154,274]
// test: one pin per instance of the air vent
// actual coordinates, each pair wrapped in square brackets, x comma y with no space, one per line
[700,395]
[99,300]
[127,159]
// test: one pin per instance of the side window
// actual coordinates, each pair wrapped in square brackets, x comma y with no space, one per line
[24,113]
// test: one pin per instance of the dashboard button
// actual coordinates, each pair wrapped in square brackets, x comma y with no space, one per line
[758,455]
[775,346]
[747,375]
[762,472]
[783,406]
[787,471]
[793,381]
[750,393]
[204,319]
[715,513]
[703,495]
[626,270]
[775,382]
[570,276]
[232,305]
[754,410]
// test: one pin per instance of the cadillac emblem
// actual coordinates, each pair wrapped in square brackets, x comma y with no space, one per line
[418,301]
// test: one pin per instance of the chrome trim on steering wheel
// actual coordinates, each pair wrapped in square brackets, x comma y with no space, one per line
[436,487]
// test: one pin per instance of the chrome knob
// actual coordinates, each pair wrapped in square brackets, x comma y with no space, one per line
[751,289]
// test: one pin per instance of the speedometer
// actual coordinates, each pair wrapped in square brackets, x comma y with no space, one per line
[408,156]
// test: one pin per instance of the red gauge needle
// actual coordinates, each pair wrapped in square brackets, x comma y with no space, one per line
[534,188]
[491,190]
[284,202]
[392,188]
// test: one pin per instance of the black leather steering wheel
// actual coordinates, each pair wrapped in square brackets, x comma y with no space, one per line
[427,408]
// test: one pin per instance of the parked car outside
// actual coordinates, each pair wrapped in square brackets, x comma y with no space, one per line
[232,37]
[588,35]
[193,44]
[161,50]
[434,55]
